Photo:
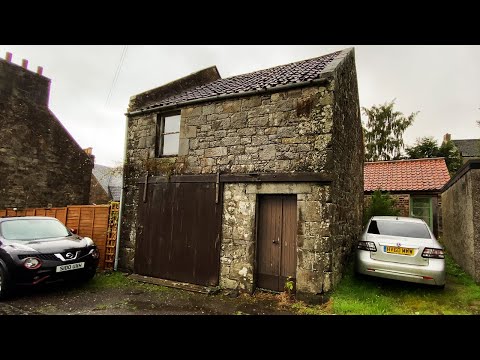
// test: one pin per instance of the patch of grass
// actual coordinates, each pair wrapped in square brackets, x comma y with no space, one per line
[373,296]
[47,309]
[153,288]
[301,308]
[109,280]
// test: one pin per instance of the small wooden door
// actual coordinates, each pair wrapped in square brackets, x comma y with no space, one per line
[277,243]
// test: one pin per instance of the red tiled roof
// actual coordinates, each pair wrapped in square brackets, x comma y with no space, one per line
[399,175]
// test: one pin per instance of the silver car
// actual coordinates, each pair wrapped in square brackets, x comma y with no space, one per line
[400,248]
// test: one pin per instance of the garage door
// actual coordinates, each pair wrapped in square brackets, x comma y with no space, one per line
[178,233]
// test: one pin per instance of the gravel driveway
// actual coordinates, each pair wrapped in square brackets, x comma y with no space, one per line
[116,294]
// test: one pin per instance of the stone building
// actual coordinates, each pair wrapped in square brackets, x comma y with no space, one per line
[461,217]
[469,148]
[414,184]
[40,163]
[106,184]
[248,181]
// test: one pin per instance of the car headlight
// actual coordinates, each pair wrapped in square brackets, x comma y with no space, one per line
[32,263]
[95,253]
[89,241]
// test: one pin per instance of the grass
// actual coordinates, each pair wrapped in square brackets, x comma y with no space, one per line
[375,296]
[118,280]
[354,295]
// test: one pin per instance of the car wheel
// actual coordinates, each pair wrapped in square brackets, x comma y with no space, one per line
[4,284]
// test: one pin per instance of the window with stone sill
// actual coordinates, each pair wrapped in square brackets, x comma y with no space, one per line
[168,134]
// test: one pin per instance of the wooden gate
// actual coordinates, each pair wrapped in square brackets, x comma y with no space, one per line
[276,249]
[178,237]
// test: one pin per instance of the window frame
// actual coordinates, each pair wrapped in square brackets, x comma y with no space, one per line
[430,207]
[160,133]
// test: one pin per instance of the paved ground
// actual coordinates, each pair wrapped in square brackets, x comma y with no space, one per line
[116,294]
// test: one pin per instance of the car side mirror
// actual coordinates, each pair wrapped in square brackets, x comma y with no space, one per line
[73,231]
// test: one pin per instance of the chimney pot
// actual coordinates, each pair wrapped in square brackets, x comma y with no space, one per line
[39,70]
[447,137]
[8,57]
[88,151]
[25,63]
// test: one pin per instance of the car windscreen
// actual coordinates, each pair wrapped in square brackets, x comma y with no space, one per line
[399,228]
[32,229]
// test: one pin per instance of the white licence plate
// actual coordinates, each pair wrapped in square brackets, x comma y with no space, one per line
[69,267]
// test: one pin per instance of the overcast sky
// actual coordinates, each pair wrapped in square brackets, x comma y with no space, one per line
[441,82]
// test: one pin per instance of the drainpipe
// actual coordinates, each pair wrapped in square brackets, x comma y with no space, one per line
[119,221]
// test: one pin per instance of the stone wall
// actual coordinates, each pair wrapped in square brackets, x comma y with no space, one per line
[348,156]
[313,235]
[40,163]
[278,132]
[461,222]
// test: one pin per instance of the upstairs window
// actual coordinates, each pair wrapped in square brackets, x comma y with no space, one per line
[168,134]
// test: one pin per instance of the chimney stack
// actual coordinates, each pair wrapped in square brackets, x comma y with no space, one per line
[446,138]
[25,63]
[8,57]
[39,70]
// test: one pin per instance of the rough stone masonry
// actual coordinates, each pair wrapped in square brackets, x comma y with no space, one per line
[310,129]
[40,163]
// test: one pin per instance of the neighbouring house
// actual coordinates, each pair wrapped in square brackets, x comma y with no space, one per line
[41,164]
[248,181]
[106,184]
[414,184]
[469,148]
[461,217]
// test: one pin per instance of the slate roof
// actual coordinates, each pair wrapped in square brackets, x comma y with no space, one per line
[110,180]
[297,72]
[406,175]
[468,147]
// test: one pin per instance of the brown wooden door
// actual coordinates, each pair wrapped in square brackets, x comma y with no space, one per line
[276,249]
[178,235]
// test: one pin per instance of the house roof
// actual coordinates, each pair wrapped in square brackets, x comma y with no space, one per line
[109,179]
[298,72]
[468,147]
[406,175]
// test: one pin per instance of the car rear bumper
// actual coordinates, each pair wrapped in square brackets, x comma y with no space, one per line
[431,274]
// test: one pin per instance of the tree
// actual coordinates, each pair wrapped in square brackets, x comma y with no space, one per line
[381,204]
[452,156]
[384,130]
[427,147]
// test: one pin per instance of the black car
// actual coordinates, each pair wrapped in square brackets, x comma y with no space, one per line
[36,250]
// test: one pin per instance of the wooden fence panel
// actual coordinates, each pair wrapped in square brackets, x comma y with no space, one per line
[94,221]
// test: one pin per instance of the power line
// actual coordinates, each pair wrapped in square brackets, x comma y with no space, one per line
[117,72]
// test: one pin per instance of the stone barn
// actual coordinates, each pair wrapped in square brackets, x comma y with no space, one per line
[41,164]
[246,182]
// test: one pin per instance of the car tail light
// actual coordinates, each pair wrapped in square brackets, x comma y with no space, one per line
[433,253]
[32,263]
[366,245]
